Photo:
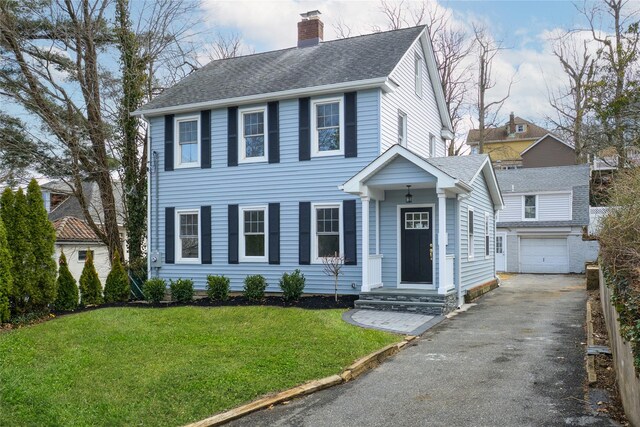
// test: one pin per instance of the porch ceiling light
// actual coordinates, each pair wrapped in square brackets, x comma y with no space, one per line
[408,198]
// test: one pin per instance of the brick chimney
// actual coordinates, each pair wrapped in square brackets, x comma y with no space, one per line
[310,29]
[512,124]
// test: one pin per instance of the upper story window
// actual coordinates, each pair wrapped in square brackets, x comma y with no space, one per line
[327,118]
[432,145]
[253,242]
[326,231]
[418,70]
[470,235]
[520,128]
[402,128]
[474,149]
[530,207]
[188,238]
[253,142]
[188,137]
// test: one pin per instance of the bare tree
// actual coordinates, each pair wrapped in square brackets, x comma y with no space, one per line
[332,266]
[342,30]
[571,104]
[487,49]
[226,46]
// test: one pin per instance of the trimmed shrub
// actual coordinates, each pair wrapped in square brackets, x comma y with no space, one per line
[154,290]
[292,285]
[90,287]
[6,279]
[254,287]
[181,290]
[42,236]
[218,287]
[117,289]
[67,295]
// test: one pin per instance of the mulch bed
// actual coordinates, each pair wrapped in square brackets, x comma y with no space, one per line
[605,371]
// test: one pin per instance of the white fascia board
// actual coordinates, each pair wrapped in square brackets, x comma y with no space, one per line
[492,183]
[447,134]
[378,82]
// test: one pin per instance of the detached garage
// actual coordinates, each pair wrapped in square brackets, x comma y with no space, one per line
[540,227]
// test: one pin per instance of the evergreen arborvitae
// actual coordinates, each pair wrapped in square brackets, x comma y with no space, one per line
[90,287]
[19,238]
[116,288]
[43,239]
[67,295]
[6,279]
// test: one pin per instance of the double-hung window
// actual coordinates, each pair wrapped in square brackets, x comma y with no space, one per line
[418,71]
[402,128]
[253,144]
[188,238]
[470,236]
[327,119]
[188,137]
[530,211]
[486,235]
[253,240]
[326,231]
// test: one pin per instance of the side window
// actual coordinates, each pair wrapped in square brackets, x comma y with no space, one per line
[82,255]
[253,237]
[530,207]
[418,76]
[432,145]
[254,139]
[188,138]
[402,128]
[487,224]
[470,235]
[327,121]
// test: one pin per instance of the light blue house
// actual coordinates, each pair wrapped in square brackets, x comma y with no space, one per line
[266,163]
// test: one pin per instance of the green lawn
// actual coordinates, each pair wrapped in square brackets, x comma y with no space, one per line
[128,366]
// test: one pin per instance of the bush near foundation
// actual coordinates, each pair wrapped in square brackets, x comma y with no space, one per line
[620,255]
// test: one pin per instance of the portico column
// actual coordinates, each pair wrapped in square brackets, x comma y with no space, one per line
[365,244]
[442,242]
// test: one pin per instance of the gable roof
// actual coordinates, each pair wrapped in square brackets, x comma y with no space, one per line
[555,178]
[71,229]
[70,207]
[500,133]
[549,135]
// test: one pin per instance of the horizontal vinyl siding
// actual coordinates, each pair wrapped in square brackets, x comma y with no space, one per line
[423,117]
[288,183]
[512,208]
[400,172]
[554,207]
[480,269]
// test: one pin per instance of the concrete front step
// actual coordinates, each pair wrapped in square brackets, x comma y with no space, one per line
[429,308]
[409,300]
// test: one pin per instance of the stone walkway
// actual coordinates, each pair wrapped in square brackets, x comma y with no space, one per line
[402,323]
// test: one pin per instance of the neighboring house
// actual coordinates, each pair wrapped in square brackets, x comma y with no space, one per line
[73,233]
[541,227]
[607,159]
[272,162]
[520,143]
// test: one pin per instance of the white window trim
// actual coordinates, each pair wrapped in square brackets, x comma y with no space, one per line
[241,246]
[470,237]
[520,126]
[418,75]
[315,259]
[405,126]
[315,149]
[523,207]
[176,131]
[178,241]
[242,144]
[81,261]
[487,235]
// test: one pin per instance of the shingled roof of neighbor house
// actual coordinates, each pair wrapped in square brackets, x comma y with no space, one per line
[338,61]
[71,229]
[71,206]
[556,178]
[501,133]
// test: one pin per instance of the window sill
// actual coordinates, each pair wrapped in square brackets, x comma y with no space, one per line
[332,153]
[253,260]
[253,160]
[187,166]
[188,261]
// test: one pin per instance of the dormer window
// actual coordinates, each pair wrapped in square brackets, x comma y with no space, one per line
[520,128]
[327,119]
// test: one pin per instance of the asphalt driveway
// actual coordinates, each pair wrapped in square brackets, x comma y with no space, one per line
[516,359]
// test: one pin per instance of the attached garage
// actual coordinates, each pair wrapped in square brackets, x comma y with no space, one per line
[544,255]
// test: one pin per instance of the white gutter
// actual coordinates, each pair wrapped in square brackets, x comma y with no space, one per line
[379,82]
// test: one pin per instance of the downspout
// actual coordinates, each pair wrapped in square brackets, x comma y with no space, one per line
[149,241]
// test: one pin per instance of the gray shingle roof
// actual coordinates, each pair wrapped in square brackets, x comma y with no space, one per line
[338,61]
[542,179]
[461,167]
[71,206]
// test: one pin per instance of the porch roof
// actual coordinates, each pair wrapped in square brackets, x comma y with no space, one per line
[455,174]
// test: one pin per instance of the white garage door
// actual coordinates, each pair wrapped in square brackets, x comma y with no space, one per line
[543,255]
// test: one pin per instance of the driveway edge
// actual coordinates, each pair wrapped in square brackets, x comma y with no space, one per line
[357,368]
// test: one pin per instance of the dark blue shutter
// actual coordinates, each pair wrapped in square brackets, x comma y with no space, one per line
[232,131]
[168,142]
[304,246]
[350,125]
[233,234]
[274,233]
[169,235]
[205,233]
[205,139]
[350,242]
[273,114]
[304,128]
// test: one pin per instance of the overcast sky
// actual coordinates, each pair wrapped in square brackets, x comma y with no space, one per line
[523,26]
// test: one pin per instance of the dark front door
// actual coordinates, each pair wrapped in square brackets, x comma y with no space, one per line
[416,245]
